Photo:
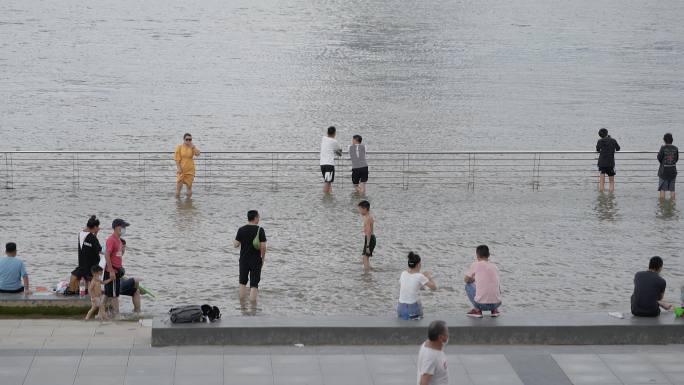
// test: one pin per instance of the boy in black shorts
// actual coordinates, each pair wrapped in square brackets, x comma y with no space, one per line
[606,147]
[368,234]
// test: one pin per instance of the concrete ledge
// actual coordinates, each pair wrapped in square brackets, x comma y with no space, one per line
[561,328]
[19,304]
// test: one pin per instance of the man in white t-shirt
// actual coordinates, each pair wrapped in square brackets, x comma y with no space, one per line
[330,148]
[432,363]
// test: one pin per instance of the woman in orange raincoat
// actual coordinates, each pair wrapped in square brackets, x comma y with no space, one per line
[185,165]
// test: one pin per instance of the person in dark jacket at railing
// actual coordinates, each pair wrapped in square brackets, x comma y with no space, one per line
[667,173]
[606,147]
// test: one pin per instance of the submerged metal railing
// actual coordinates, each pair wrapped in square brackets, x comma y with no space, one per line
[276,169]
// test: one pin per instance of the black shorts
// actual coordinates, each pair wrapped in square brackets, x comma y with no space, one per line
[368,246]
[112,289]
[328,168]
[360,175]
[128,287]
[250,271]
[610,171]
[19,290]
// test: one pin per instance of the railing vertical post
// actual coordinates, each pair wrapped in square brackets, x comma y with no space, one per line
[471,171]
[274,171]
[75,173]
[535,171]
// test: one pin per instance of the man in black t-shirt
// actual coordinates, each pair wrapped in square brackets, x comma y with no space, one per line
[649,289]
[667,172]
[252,255]
[606,147]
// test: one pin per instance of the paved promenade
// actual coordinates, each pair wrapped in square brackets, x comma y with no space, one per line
[56,352]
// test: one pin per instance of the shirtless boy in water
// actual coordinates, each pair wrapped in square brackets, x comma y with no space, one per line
[368,235]
[95,291]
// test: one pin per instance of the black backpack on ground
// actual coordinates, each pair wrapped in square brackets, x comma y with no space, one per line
[194,313]
[186,314]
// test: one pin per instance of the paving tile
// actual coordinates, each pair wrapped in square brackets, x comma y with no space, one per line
[13,379]
[56,361]
[42,331]
[23,342]
[248,380]
[618,358]
[347,379]
[295,365]
[670,367]
[298,379]
[394,379]
[104,360]
[73,331]
[206,365]
[149,380]
[104,370]
[634,378]
[16,361]
[96,378]
[10,323]
[495,379]
[64,342]
[52,322]
[246,350]
[200,350]
[48,379]
[603,378]
[537,369]
[199,380]
[5,331]
[250,365]
[332,365]
[675,378]
[98,342]
[390,364]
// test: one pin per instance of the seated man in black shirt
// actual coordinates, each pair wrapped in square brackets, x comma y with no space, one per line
[649,289]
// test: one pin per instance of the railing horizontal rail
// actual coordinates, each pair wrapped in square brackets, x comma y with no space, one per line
[81,169]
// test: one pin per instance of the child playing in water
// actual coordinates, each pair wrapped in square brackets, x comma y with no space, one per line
[369,236]
[95,290]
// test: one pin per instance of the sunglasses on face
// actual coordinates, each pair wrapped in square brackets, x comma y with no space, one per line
[188,139]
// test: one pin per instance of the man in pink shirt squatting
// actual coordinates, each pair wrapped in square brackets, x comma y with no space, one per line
[483,285]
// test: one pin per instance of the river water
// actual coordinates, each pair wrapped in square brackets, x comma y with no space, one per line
[431,75]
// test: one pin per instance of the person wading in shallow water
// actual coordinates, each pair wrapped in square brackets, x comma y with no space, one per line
[606,147]
[330,148]
[251,239]
[185,164]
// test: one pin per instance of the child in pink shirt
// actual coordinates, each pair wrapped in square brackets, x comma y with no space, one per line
[483,285]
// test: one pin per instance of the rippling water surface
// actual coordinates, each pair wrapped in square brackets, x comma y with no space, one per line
[417,75]
[556,249]
[406,75]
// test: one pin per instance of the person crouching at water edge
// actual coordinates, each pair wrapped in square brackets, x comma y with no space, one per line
[483,285]
[411,281]
[185,165]
[251,239]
